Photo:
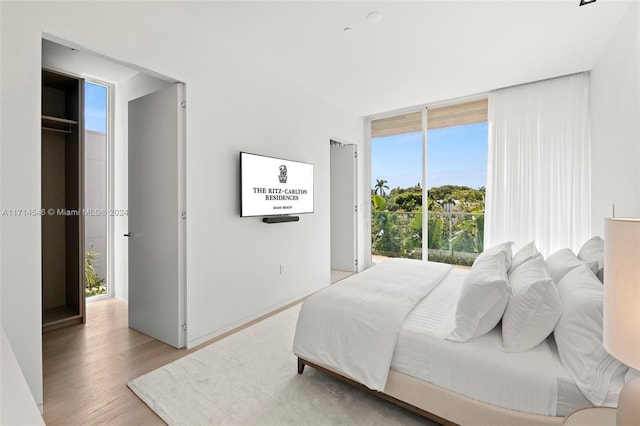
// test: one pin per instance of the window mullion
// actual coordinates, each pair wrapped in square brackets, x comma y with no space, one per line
[425,185]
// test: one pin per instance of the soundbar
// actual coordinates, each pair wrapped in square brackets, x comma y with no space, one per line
[280,219]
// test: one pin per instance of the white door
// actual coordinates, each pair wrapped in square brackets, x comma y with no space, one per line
[157,215]
[343,208]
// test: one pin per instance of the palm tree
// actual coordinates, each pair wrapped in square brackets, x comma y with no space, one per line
[380,186]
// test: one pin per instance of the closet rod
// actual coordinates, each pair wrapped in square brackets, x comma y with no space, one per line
[56,130]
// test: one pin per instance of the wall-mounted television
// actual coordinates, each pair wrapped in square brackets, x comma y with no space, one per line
[272,186]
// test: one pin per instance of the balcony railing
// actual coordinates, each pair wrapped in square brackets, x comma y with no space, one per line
[455,237]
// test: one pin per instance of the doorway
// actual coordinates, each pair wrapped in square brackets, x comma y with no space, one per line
[343,175]
[123,83]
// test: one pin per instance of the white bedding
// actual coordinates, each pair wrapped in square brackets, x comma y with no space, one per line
[526,381]
[352,326]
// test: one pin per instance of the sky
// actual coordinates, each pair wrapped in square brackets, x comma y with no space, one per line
[456,156]
[95,107]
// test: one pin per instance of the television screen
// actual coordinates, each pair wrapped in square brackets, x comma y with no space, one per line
[272,186]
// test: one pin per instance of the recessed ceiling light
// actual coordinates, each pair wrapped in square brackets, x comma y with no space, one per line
[374,17]
[347,29]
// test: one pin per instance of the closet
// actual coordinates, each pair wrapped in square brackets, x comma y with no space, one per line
[63,297]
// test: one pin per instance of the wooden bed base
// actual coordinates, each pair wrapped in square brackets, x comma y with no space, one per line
[438,404]
[423,413]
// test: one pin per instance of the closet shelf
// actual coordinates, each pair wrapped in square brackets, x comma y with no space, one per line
[51,119]
[56,124]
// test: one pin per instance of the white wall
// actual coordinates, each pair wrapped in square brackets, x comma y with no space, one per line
[615,124]
[20,297]
[232,105]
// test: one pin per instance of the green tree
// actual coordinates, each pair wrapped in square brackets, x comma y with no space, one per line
[95,284]
[396,228]
[435,232]
[413,238]
[465,232]
[406,199]
[380,186]
[385,239]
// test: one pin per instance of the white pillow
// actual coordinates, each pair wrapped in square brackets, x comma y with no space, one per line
[578,336]
[504,249]
[593,250]
[533,309]
[563,261]
[482,299]
[527,252]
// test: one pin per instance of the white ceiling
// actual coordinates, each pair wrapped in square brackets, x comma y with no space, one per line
[62,58]
[421,52]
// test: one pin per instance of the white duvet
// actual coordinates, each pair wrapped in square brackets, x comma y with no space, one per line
[353,325]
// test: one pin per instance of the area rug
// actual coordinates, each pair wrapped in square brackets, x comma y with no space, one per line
[250,378]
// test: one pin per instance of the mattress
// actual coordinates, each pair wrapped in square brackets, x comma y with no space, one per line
[534,381]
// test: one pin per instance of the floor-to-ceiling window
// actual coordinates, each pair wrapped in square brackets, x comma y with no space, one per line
[397,180]
[441,170]
[96,212]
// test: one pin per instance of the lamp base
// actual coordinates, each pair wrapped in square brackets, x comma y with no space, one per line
[628,412]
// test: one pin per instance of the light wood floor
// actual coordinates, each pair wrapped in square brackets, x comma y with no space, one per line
[86,368]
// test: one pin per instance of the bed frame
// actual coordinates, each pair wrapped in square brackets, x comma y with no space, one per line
[438,404]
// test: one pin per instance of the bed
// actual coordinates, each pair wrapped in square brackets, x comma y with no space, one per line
[398,330]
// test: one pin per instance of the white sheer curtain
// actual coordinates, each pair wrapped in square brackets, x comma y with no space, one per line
[539,165]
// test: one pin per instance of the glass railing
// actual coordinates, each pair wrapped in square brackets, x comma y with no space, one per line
[455,238]
[397,234]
